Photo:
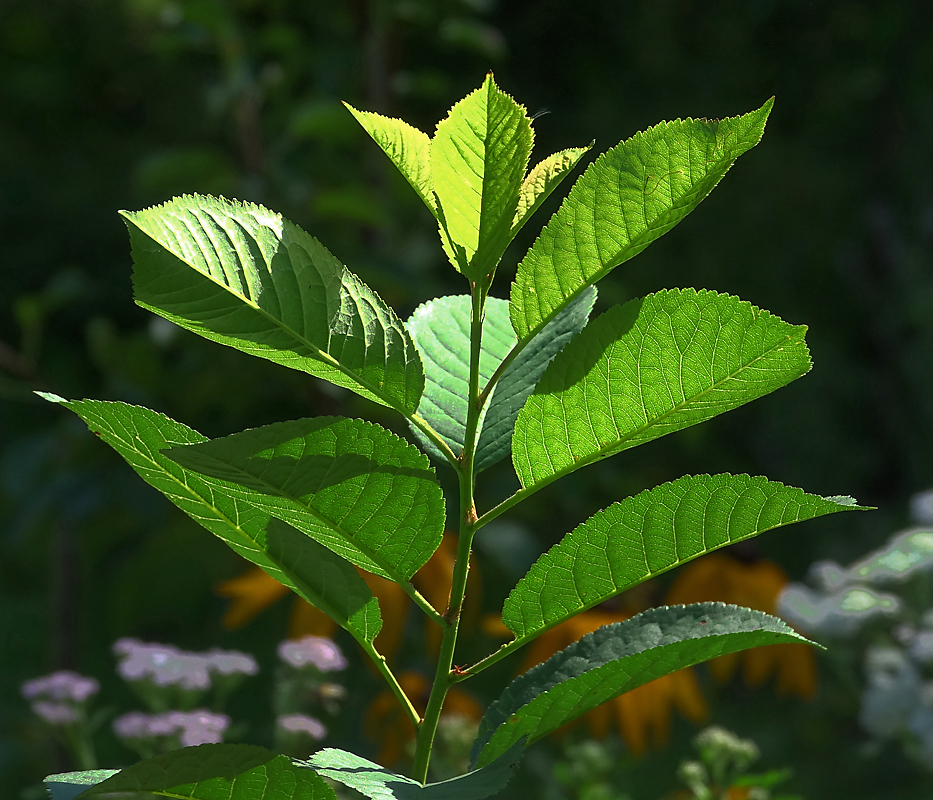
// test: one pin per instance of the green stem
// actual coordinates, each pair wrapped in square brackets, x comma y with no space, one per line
[379,661]
[419,600]
[422,424]
[445,676]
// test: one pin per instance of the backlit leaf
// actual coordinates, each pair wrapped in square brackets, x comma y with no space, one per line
[241,275]
[615,659]
[142,436]
[478,160]
[407,147]
[355,487]
[648,534]
[630,196]
[649,368]
[544,178]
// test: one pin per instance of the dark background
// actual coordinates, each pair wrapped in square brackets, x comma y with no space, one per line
[120,104]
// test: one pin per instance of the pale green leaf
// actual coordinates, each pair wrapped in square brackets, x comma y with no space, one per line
[544,178]
[219,772]
[478,160]
[441,330]
[378,783]
[357,488]
[615,659]
[241,275]
[630,196]
[142,436]
[649,368]
[68,785]
[648,534]
[407,147]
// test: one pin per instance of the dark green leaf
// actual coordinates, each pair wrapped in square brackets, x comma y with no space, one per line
[615,659]
[219,772]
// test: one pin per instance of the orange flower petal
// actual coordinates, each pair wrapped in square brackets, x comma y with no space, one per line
[250,593]
[306,620]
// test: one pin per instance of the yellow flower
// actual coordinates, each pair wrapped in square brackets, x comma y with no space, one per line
[641,714]
[721,577]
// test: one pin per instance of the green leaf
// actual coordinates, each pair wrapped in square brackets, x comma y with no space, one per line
[543,179]
[68,785]
[219,772]
[649,368]
[141,436]
[358,489]
[648,534]
[378,783]
[478,160]
[441,330]
[615,659]
[241,275]
[407,147]
[630,196]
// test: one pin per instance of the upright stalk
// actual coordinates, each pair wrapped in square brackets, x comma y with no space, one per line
[444,676]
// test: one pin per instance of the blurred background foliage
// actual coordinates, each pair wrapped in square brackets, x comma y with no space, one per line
[120,104]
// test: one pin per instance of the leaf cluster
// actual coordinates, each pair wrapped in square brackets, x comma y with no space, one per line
[477,378]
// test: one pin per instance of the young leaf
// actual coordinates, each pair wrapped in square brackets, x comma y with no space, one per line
[441,330]
[407,147]
[241,275]
[378,783]
[543,179]
[650,533]
[478,160]
[648,368]
[219,772]
[630,196]
[615,659]
[352,485]
[141,436]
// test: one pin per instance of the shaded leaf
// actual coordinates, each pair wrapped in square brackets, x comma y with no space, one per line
[141,436]
[615,659]
[357,488]
[478,160]
[219,772]
[378,783]
[441,330]
[630,196]
[241,275]
[648,534]
[544,178]
[649,368]
[407,147]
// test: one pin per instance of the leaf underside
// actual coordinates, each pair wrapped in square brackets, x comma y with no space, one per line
[651,367]
[630,196]
[648,534]
[441,331]
[378,783]
[141,436]
[239,274]
[615,659]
